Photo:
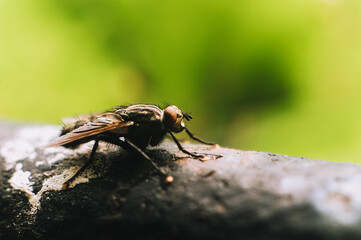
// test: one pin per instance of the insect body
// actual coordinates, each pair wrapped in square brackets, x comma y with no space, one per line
[130,127]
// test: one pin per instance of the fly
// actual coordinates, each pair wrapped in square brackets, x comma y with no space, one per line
[130,127]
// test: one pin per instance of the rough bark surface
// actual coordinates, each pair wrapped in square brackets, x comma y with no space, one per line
[242,195]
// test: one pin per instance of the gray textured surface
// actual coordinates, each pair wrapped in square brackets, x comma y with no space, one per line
[243,195]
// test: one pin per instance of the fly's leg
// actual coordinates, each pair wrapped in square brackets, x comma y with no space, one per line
[197,139]
[92,156]
[82,169]
[167,178]
[182,149]
[123,144]
[202,158]
[144,155]
[127,143]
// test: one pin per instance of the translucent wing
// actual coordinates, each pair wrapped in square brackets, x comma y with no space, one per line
[103,123]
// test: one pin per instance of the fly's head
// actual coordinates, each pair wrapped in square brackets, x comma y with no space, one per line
[173,119]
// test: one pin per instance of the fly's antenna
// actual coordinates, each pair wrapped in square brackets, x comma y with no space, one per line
[187,116]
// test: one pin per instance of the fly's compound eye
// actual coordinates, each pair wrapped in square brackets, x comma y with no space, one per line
[170,116]
[173,119]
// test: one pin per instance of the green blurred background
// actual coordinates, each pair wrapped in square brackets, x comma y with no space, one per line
[281,76]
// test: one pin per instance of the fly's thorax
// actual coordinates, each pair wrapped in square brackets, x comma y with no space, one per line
[173,119]
[141,113]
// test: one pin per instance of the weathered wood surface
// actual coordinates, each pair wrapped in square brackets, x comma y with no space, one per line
[242,195]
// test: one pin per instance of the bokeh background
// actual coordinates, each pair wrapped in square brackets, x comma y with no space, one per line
[281,76]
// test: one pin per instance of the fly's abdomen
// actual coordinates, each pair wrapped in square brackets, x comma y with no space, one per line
[71,127]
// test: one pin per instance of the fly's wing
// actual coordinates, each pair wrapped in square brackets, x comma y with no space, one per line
[100,124]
